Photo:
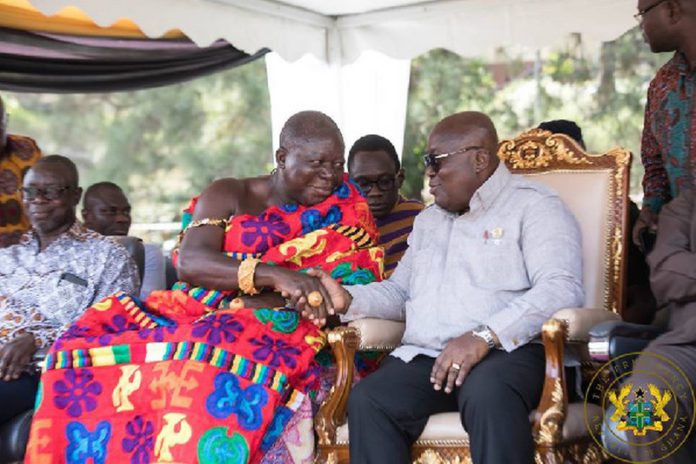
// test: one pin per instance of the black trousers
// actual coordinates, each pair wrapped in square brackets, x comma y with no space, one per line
[388,410]
[17,396]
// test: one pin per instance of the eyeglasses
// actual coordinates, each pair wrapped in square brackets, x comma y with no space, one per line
[48,193]
[641,13]
[383,183]
[432,160]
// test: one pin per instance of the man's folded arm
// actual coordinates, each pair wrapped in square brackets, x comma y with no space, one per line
[552,250]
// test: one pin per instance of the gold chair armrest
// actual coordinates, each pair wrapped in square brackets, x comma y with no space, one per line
[378,334]
[553,406]
[580,321]
[344,342]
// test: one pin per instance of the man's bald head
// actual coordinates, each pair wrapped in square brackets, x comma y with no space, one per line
[62,166]
[309,125]
[467,145]
[98,191]
[469,123]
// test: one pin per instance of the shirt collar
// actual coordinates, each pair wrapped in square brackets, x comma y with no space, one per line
[487,193]
[681,64]
[76,232]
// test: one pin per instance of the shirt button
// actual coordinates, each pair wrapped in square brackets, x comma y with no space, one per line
[515,341]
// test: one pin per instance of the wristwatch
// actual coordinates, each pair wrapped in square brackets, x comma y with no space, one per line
[484,333]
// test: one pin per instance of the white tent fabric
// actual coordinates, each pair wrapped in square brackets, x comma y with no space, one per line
[340,30]
[363,97]
[362,93]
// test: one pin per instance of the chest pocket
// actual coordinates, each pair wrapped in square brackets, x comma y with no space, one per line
[494,265]
[67,296]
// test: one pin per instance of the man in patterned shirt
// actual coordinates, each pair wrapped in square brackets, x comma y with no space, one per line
[375,167]
[17,155]
[668,150]
[58,269]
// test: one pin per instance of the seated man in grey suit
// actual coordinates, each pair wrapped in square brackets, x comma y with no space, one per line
[486,266]
[669,361]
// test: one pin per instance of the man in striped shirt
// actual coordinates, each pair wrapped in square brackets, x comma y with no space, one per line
[375,167]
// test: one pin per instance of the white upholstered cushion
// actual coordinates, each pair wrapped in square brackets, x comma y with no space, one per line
[379,334]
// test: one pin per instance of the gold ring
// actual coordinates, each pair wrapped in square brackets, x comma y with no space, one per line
[455,366]
[315,299]
[237,303]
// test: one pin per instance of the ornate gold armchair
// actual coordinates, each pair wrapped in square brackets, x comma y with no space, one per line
[595,188]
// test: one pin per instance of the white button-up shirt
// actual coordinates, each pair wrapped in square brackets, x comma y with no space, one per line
[509,263]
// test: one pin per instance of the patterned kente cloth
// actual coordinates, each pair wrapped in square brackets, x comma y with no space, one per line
[668,148]
[183,381]
[394,229]
[20,154]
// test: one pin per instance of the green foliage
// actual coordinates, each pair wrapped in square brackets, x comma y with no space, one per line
[161,145]
[604,95]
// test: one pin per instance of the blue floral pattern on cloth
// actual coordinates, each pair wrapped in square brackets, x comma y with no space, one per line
[216,327]
[290,207]
[140,441]
[357,187]
[343,191]
[77,391]
[278,350]
[83,444]
[275,429]
[312,219]
[229,397]
[347,276]
[215,447]
[264,231]
[281,321]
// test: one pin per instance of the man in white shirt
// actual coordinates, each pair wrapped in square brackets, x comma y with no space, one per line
[105,209]
[494,258]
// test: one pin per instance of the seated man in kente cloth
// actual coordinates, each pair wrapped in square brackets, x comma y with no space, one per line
[47,280]
[375,167]
[215,369]
[494,258]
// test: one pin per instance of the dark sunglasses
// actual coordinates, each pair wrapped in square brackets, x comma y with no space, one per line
[383,183]
[432,160]
[48,193]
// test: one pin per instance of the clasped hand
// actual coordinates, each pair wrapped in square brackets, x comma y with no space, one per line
[296,288]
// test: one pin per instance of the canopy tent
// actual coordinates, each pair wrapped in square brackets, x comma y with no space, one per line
[320,46]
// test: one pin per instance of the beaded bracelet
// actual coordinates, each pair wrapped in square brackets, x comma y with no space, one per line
[245,276]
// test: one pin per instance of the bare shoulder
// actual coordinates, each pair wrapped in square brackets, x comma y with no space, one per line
[221,198]
[230,196]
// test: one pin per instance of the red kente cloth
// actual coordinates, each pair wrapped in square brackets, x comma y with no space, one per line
[179,380]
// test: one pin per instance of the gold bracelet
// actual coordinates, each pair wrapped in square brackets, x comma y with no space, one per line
[245,276]
[217,222]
